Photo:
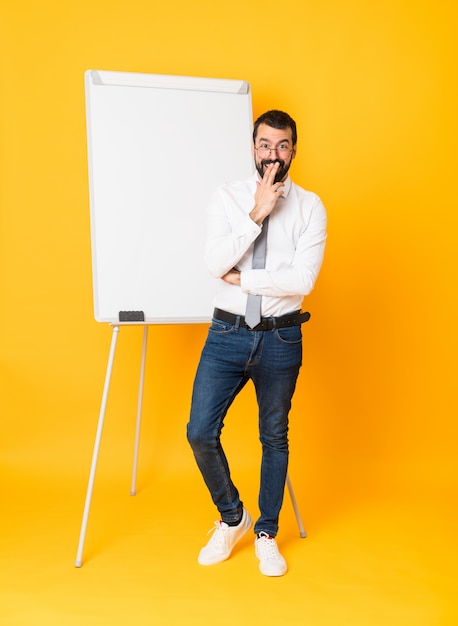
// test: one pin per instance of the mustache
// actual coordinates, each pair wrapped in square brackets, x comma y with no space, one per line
[269,161]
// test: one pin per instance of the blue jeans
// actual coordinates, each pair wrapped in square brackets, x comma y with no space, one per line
[231,356]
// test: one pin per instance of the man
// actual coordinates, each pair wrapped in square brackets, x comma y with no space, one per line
[269,352]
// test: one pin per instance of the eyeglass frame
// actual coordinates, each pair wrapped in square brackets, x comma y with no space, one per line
[269,150]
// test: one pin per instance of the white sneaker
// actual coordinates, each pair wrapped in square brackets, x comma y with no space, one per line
[271,562]
[223,540]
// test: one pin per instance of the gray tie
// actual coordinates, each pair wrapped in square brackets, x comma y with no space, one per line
[253,305]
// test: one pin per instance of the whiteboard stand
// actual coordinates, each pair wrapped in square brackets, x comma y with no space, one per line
[133,488]
[98,438]
[302,532]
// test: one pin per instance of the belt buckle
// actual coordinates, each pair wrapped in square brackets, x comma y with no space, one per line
[259,326]
[266,323]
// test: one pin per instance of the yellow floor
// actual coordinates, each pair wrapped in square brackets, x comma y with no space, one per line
[367,560]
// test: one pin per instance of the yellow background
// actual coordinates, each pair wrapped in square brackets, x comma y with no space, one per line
[373,88]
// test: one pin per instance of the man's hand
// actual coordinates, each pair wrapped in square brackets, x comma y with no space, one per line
[232,277]
[267,194]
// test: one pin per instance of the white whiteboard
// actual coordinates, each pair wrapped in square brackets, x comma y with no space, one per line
[158,146]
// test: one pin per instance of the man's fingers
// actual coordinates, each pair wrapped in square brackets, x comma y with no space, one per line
[273,167]
[269,175]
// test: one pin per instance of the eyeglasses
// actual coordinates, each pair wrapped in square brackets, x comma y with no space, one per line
[264,150]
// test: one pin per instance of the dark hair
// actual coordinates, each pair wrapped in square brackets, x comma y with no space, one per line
[276,119]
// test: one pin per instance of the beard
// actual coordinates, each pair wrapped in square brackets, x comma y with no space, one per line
[281,172]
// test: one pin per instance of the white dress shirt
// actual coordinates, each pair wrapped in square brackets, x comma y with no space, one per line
[295,247]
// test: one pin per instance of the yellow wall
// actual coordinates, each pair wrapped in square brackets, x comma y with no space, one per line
[372,86]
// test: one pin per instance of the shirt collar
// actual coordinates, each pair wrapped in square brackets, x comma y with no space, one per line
[287,188]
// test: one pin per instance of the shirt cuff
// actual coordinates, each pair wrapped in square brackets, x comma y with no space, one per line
[255,282]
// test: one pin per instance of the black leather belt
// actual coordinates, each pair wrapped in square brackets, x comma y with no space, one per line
[267,323]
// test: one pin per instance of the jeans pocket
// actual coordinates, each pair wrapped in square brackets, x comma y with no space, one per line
[290,334]
[219,327]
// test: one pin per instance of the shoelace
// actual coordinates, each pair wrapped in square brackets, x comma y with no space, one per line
[218,538]
[268,546]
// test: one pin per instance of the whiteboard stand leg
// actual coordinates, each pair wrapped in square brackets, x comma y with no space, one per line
[133,488]
[295,507]
[95,454]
